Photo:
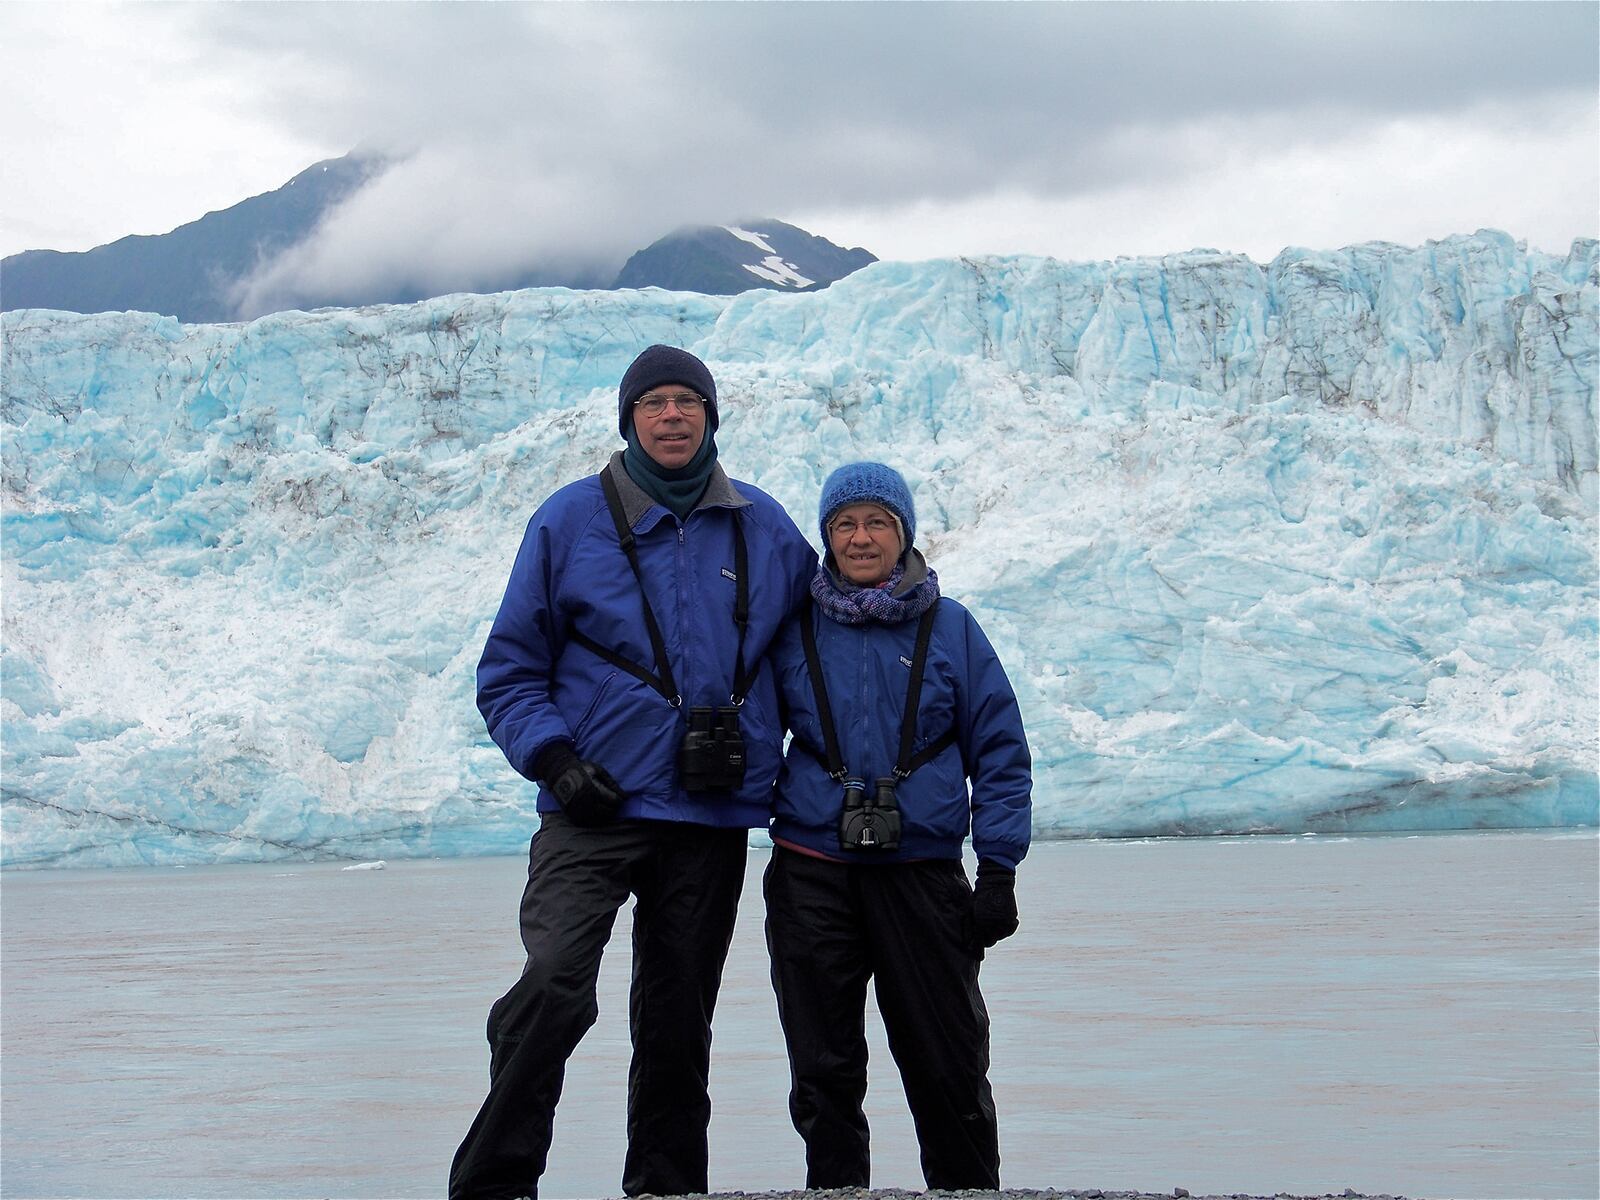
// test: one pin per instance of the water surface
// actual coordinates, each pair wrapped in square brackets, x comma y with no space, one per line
[1402,1013]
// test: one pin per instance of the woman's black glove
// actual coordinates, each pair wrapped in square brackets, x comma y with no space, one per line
[994,904]
[585,790]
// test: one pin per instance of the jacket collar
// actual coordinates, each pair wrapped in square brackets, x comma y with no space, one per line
[719,493]
[916,572]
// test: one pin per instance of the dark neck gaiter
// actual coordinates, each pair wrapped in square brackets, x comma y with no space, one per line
[678,489]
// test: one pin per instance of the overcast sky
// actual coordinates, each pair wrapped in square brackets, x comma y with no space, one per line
[576,133]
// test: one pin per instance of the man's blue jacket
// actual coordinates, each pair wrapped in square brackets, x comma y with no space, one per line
[537,685]
[866,669]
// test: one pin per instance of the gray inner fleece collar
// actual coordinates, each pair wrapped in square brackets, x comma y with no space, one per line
[719,493]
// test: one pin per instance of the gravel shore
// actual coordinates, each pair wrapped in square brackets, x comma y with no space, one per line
[1177,1193]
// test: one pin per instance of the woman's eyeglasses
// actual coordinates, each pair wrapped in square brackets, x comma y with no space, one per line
[875,527]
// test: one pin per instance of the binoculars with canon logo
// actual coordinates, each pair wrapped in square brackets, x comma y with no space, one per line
[870,822]
[711,758]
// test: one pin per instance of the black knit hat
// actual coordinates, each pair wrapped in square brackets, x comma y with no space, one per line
[664,364]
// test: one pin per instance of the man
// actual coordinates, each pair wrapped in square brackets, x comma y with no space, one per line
[622,674]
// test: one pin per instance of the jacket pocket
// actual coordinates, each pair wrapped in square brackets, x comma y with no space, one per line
[632,732]
[587,719]
[935,800]
[763,741]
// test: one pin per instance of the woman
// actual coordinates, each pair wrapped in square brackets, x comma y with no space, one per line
[895,699]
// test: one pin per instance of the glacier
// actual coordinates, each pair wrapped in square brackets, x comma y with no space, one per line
[1307,546]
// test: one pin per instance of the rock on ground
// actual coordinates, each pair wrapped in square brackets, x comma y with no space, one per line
[1177,1193]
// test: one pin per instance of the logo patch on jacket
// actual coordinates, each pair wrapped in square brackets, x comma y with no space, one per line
[905,660]
[727,574]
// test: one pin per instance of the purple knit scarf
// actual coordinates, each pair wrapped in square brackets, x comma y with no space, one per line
[844,602]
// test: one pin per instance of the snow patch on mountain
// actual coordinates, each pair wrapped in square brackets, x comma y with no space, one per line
[772,268]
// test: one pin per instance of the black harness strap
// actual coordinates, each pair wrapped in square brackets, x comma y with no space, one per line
[928,753]
[662,680]
[741,612]
[931,751]
[830,737]
[907,762]
[616,660]
[908,722]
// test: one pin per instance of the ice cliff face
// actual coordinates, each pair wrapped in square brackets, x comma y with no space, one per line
[1308,546]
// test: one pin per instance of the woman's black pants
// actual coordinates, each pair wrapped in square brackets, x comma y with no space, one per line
[687,879]
[832,926]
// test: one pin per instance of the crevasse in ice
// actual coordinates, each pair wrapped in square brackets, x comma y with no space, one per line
[1301,547]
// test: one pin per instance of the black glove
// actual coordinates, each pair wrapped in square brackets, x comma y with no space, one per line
[994,904]
[585,790]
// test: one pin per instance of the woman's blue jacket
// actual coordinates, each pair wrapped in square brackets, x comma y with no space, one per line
[965,689]
[537,685]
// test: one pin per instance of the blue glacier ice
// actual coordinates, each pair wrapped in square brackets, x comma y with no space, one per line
[1308,546]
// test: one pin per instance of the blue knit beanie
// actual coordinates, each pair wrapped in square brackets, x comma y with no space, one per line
[868,483]
[664,364]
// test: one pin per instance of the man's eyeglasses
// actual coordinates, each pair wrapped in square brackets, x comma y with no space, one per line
[653,405]
[875,527]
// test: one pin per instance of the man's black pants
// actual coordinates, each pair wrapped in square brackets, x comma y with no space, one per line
[830,927]
[687,879]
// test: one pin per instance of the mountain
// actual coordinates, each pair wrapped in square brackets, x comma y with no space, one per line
[189,272]
[1303,546]
[192,272]
[723,260]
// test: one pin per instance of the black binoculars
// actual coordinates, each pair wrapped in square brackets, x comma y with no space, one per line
[711,758]
[870,823]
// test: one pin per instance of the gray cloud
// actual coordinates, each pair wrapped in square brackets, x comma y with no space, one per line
[572,134]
